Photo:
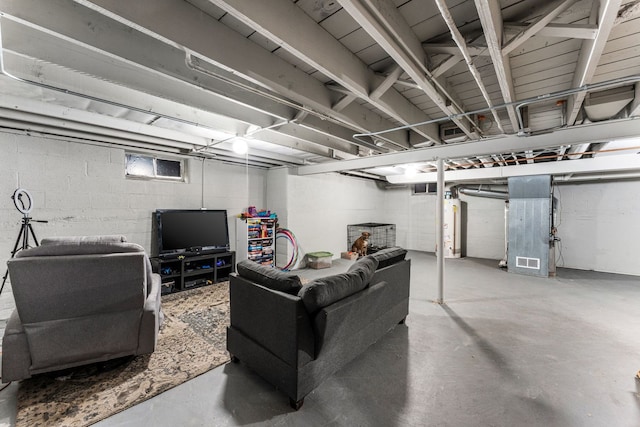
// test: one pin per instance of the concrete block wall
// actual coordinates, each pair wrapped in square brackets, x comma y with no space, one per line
[77,188]
[81,189]
[599,226]
[484,227]
[415,218]
[233,188]
[319,208]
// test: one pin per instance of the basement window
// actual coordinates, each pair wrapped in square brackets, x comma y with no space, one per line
[424,188]
[151,167]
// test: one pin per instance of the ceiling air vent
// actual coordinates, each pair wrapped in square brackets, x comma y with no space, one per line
[452,133]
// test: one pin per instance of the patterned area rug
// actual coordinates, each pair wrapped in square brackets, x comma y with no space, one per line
[191,342]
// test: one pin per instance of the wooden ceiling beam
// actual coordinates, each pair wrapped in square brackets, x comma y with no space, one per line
[548,15]
[491,19]
[459,40]
[452,49]
[290,27]
[569,31]
[383,22]
[591,51]
[184,26]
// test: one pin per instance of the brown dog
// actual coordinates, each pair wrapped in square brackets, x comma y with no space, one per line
[361,244]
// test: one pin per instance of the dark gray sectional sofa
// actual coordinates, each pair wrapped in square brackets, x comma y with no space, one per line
[296,336]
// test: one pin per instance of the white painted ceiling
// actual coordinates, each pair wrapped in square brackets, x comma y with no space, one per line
[325,82]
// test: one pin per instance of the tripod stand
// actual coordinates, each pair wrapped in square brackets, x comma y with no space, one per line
[25,231]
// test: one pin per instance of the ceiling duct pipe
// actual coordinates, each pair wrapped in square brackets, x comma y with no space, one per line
[570,178]
[479,192]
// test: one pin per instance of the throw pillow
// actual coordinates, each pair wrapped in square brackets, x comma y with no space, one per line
[327,290]
[389,256]
[365,267]
[269,277]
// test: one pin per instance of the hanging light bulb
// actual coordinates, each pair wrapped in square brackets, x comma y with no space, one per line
[240,146]
[410,170]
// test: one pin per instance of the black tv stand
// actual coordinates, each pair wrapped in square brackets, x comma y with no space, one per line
[191,270]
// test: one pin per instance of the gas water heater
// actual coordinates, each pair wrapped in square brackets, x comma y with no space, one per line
[451,227]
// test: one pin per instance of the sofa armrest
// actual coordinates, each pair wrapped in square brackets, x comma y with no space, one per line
[275,320]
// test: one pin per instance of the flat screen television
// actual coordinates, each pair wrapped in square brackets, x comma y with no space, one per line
[192,231]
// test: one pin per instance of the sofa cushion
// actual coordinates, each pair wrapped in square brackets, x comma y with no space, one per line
[269,277]
[327,290]
[365,267]
[389,256]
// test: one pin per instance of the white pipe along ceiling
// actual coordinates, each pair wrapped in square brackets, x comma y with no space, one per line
[370,88]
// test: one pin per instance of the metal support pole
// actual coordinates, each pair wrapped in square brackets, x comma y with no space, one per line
[439,232]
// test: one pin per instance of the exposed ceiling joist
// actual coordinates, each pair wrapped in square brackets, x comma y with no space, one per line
[285,140]
[89,42]
[74,119]
[182,25]
[446,65]
[302,77]
[307,135]
[491,19]
[343,102]
[173,110]
[54,75]
[548,15]
[383,22]
[569,31]
[387,83]
[27,36]
[283,21]
[590,53]
[452,49]
[459,40]
[74,122]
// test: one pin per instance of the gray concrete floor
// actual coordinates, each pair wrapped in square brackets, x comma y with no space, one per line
[504,350]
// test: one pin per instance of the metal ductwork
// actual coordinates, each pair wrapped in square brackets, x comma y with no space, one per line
[607,104]
[479,192]
[531,243]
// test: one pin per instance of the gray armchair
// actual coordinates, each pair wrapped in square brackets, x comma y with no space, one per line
[79,300]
